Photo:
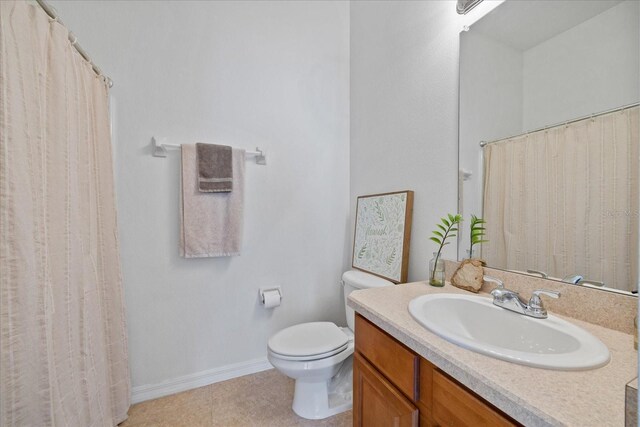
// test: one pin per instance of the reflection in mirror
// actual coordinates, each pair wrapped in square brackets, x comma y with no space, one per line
[551,90]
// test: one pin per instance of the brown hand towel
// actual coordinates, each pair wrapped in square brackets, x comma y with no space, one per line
[215,168]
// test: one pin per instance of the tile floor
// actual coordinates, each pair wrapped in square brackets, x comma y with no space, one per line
[262,399]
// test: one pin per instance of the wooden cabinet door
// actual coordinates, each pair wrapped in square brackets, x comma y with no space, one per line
[376,402]
[454,406]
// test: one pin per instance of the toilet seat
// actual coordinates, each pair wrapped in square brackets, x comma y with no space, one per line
[311,357]
[308,341]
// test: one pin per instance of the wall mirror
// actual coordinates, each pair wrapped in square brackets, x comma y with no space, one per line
[551,90]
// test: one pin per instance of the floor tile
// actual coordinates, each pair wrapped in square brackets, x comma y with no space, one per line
[262,399]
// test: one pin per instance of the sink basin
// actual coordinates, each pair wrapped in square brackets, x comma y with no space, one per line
[476,324]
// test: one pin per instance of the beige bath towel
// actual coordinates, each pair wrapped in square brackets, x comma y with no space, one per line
[215,168]
[211,223]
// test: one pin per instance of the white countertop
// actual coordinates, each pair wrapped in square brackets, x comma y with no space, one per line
[532,396]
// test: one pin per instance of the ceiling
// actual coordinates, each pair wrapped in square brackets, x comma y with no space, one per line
[545,19]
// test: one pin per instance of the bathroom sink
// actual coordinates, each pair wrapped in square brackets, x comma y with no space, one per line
[476,324]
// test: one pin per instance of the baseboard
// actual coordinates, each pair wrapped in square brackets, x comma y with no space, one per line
[198,379]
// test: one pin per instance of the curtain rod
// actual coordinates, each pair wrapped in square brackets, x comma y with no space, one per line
[613,110]
[49,10]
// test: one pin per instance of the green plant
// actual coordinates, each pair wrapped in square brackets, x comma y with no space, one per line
[477,233]
[447,229]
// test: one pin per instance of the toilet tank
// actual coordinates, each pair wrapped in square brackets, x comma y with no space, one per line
[353,280]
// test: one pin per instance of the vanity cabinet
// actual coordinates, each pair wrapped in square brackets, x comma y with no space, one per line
[393,386]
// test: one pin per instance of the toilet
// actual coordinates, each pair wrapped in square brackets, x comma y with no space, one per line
[318,356]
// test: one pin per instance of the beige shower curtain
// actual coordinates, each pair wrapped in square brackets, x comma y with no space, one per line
[565,200]
[63,339]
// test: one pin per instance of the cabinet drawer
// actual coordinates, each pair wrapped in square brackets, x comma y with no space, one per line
[466,408]
[392,359]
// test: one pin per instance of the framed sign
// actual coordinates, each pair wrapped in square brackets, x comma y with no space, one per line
[382,235]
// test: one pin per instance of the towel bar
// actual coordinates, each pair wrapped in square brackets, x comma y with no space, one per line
[160,148]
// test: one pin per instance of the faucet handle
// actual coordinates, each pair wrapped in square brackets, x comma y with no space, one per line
[494,280]
[499,293]
[591,282]
[540,273]
[552,294]
[535,303]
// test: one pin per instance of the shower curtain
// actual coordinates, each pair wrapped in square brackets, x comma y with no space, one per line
[565,200]
[63,359]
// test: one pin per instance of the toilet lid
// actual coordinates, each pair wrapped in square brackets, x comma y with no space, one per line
[308,339]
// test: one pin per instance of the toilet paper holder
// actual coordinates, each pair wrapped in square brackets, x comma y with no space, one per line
[261,292]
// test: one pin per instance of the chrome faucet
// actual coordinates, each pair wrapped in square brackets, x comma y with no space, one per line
[511,300]
[573,279]
[580,280]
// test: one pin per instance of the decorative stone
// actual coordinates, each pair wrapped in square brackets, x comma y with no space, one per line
[468,276]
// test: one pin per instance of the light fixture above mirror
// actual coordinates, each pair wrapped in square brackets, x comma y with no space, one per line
[464,6]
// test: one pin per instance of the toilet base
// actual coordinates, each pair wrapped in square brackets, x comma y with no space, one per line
[323,399]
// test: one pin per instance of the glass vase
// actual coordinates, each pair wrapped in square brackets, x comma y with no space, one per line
[436,271]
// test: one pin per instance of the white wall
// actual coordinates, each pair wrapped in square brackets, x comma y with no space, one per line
[268,74]
[404,109]
[590,68]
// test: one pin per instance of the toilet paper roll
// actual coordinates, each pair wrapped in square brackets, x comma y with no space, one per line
[271,298]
